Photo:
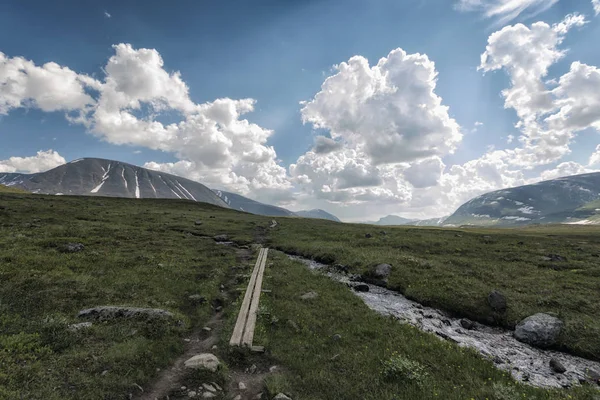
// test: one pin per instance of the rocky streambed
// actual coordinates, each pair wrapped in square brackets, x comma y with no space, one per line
[524,362]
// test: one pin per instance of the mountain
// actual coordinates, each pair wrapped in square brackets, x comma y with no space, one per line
[238,202]
[99,177]
[572,199]
[392,220]
[318,214]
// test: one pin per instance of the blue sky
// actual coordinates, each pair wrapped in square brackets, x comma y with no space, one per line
[279,54]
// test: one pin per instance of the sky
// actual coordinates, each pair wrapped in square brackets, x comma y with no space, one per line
[360,108]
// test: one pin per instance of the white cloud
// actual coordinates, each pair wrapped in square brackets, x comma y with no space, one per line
[388,130]
[564,169]
[42,161]
[596,5]
[49,87]
[324,145]
[389,112]
[526,53]
[504,11]
[107,15]
[214,144]
[595,157]
[510,138]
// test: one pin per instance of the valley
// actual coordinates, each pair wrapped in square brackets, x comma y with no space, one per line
[161,254]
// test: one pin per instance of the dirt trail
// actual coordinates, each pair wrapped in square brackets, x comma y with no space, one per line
[172,377]
[199,341]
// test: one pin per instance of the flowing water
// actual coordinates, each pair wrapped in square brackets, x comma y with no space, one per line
[525,363]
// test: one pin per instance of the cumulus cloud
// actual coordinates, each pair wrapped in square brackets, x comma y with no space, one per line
[595,157]
[42,161]
[389,111]
[213,142]
[388,131]
[49,87]
[564,169]
[324,145]
[596,5]
[504,11]
[545,116]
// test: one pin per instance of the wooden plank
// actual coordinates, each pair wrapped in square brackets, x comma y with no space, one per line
[238,330]
[251,323]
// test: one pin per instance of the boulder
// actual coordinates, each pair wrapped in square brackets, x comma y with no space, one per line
[467,324]
[72,248]
[197,223]
[221,238]
[361,287]
[557,366]
[497,301]
[309,296]
[540,330]
[205,361]
[382,271]
[592,376]
[81,325]
[112,312]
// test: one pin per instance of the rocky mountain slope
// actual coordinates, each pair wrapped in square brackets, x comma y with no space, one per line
[239,202]
[99,177]
[395,220]
[318,214]
[572,199]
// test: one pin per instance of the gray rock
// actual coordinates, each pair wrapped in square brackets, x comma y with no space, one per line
[209,387]
[337,337]
[592,376]
[383,271]
[309,296]
[198,222]
[196,298]
[361,287]
[72,248]
[242,386]
[113,312]
[192,394]
[81,325]
[467,324]
[208,395]
[206,361]
[281,396]
[497,301]
[540,330]
[368,235]
[554,258]
[557,366]
[221,238]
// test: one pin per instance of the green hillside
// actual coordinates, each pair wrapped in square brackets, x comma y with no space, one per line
[8,189]
[160,254]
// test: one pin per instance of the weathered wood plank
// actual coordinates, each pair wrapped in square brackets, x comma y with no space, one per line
[238,330]
[251,323]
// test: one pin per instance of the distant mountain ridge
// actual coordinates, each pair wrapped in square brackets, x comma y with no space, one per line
[395,220]
[100,177]
[239,202]
[572,200]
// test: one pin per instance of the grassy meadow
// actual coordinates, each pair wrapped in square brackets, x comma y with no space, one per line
[152,253]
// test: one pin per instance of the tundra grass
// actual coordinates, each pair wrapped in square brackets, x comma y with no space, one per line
[152,253]
[333,347]
[456,269]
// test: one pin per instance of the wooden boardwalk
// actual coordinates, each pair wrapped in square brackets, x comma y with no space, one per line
[243,333]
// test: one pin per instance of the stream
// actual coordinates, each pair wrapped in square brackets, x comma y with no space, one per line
[525,363]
